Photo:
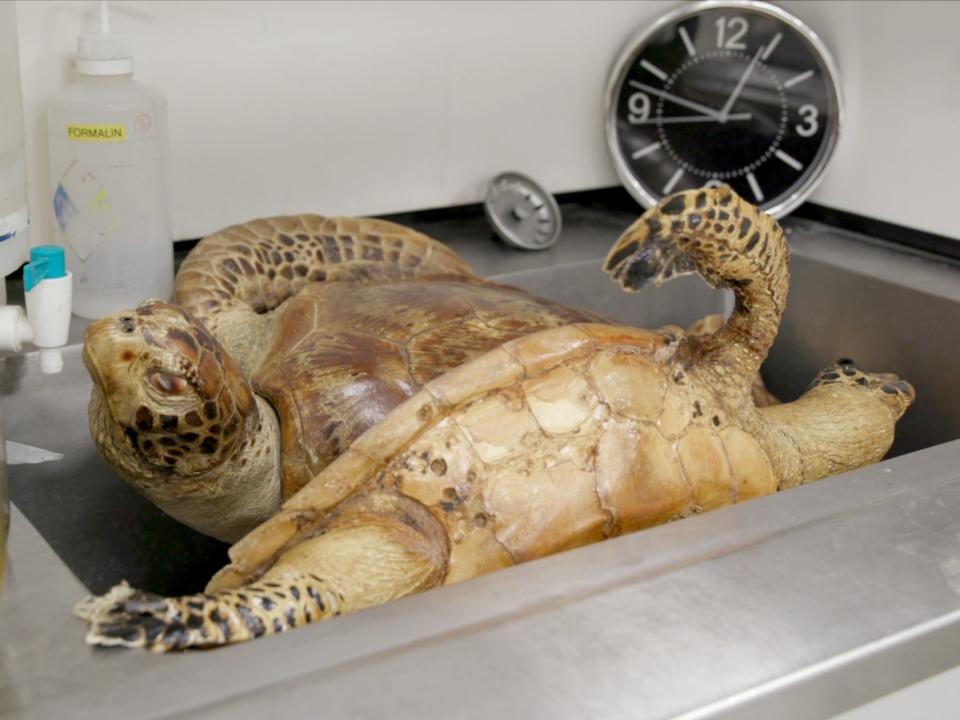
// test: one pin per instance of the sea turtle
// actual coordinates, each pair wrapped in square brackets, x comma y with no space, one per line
[289,339]
[551,440]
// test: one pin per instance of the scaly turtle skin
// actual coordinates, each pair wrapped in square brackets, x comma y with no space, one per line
[289,339]
[550,441]
[708,325]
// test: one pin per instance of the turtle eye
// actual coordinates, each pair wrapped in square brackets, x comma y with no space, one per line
[167,383]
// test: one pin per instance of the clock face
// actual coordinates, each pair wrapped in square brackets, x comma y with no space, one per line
[735,92]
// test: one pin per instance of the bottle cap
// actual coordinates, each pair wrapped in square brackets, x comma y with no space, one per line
[47,262]
[104,53]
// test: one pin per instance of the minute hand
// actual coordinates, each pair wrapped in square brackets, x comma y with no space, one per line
[725,110]
[690,104]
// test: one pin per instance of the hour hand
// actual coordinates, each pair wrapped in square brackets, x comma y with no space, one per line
[689,104]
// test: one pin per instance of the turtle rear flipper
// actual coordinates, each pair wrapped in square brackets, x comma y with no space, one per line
[375,549]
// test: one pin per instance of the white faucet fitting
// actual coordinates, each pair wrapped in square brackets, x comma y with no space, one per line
[46,324]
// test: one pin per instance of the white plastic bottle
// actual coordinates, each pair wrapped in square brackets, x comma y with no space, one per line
[14,218]
[108,147]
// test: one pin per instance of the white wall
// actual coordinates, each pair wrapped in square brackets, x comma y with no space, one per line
[361,108]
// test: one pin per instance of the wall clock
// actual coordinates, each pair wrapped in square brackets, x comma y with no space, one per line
[736,92]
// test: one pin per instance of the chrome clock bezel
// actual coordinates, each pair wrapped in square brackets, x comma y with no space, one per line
[617,75]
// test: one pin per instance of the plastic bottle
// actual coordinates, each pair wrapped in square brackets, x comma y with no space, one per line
[107,136]
[14,218]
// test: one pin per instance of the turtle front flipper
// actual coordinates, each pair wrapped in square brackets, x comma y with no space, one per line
[374,549]
[235,277]
[730,243]
[125,617]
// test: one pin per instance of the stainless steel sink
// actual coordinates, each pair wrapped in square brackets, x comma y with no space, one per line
[772,604]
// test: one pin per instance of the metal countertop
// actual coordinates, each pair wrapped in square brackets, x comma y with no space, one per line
[797,605]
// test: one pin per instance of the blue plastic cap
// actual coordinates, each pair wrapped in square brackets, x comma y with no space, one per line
[47,262]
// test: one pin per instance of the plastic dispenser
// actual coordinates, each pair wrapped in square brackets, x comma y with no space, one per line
[108,148]
[46,285]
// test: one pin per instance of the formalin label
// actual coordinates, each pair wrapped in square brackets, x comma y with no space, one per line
[97,133]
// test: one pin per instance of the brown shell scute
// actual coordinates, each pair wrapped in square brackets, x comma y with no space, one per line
[354,337]
[338,363]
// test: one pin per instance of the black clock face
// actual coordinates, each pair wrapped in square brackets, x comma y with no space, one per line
[726,94]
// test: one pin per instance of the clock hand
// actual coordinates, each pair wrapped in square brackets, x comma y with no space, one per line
[690,104]
[736,91]
[692,119]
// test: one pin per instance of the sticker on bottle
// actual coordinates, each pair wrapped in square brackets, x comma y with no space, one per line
[85,211]
[97,133]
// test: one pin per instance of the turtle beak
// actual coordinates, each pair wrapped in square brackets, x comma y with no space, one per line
[109,344]
[93,340]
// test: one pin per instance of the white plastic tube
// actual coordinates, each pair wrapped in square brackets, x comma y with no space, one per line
[46,323]
[48,310]
[14,328]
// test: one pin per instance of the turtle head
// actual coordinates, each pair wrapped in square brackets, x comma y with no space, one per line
[168,402]
[893,392]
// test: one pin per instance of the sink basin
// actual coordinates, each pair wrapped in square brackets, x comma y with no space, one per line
[745,577]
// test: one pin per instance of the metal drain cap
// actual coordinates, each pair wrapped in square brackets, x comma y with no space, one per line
[521,212]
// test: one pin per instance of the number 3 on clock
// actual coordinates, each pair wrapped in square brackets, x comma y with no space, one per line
[809,126]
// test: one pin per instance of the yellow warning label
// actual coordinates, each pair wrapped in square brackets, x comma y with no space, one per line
[97,133]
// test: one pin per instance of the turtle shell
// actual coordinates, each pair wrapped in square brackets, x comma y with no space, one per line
[345,354]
